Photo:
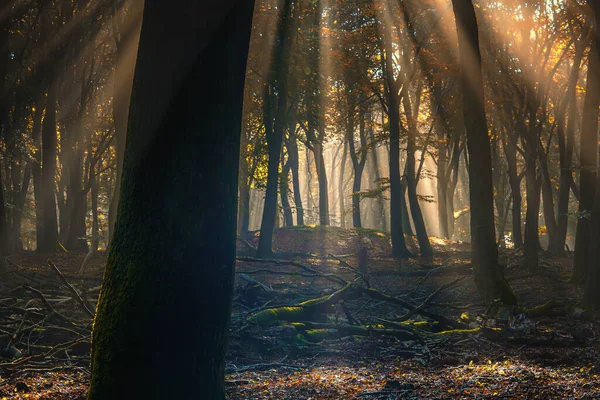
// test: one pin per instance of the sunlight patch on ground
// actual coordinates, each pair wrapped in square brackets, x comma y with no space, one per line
[503,379]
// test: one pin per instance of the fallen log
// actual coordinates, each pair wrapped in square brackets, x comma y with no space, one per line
[299,312]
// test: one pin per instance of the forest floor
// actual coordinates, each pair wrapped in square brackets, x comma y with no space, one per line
[424,334]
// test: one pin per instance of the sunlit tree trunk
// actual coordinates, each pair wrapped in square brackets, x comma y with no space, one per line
[484,253]
[382,224]
[322,180]
[359,159]
[126,32]
[244,202]
[179,261]
[411,180]
[588,165]
[284,192]
[293,159]
[341,202]
[392,96]
[510,151]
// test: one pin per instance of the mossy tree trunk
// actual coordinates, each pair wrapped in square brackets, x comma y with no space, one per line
[171,262]
[126,27]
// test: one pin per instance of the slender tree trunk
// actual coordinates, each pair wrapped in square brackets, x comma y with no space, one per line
[510,150]
[293,160]
[565,146]
[76,205]
[588,162]
[323,187]
[244,206]
[382,224]
[532,241]
[280,64]
[399,248]
[547,199]
[284,192]
[49,239]
[411,181]
[183,257]
[484,253]
[341,186]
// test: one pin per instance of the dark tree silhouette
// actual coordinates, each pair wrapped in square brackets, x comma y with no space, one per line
[484,253]
[171,262]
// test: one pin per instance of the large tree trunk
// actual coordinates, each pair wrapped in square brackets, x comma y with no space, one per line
[484,253]
[591,297]
[173,252]
[48,241]
[588,165]
[126,39]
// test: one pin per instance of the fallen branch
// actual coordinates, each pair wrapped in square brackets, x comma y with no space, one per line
[419,308]
[71,288]
[299,312]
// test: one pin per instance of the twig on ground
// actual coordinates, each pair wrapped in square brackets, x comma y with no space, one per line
[71,288]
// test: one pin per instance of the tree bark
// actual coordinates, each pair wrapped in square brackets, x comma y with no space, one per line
[411,181]
[484,254]
[48,241]
[293,160]
[126,39]
[275,130]
[532,241]
[392,91]
[341,194]
[591,296]
[565,146]
[284,192]
[588,165]
[174,242]
[381,217]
